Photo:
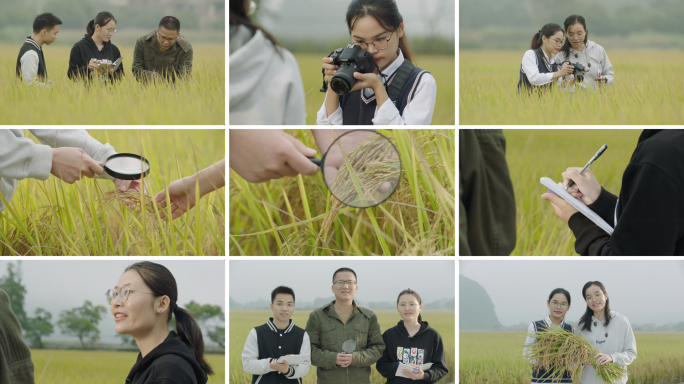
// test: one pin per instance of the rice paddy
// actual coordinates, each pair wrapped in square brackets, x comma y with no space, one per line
[496,357]
[89,217]
[299,215]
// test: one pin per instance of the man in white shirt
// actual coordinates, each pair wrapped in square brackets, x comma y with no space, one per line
[31,66]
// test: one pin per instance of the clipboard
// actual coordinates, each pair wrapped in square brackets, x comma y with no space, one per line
[294,359]
[578,204]
[403,366]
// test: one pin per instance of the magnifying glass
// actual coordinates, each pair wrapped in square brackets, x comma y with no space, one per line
[349,346]
[127,166]
[361,168]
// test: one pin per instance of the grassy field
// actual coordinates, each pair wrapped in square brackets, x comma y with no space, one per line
[496,357]
[55,218]
[241,322]
[102,367]
[532,154]
[298,216]
[442,69]
[198,101]
[648,89]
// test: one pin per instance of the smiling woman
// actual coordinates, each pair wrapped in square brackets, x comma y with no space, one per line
[143,303]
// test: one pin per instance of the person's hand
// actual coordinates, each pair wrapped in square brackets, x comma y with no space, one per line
[587,364]
[566,70]
[366,80]
[414,375]
[112,69]
[603,358]
[182,197]
[102,69]
[586,186]
[260,155]
[599,82]
[330,69]
[565,83]
[71,164]
[563,209]
[343,359]
[132,185]
[282,368]
[92,64]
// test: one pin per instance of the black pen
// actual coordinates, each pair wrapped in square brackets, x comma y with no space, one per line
[596,156]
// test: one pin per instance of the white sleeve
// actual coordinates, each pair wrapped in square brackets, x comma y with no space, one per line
[529,340]
[21,158]
[607,69]
[419,109]
[529,68]
[629,353]
[250,357]
[322,117]
[302,369]
[29,68]
[295,108]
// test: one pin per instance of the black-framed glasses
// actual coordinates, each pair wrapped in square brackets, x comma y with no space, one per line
[342,283]
[557,304]
[123,294]
[379,44]
[170,40]
[558,42]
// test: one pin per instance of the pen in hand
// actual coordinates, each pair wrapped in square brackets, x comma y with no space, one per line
[596,156]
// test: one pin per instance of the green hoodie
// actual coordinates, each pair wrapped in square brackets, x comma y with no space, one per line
[327,333]
[16,366]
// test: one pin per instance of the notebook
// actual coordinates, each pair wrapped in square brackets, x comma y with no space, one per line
[579,205]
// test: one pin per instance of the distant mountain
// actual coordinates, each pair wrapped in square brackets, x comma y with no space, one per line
[476,309]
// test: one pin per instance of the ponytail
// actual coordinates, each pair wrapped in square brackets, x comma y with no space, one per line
[188,329]
[90,28]
[547,30]
[404,47]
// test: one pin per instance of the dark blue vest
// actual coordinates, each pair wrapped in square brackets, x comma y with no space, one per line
[274,343]
[541,375]
[524,83]
[31,45]
[357,110]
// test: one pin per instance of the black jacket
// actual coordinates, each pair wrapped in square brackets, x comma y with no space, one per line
[84,50]
[171,362]
[427,342]
[650,210]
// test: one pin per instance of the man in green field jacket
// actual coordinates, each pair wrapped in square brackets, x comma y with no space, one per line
[163,53]
[339,321]
[16,366]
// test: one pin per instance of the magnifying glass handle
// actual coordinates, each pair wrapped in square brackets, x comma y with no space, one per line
[315,160]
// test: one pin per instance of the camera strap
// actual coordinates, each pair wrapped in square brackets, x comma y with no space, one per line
[398,81]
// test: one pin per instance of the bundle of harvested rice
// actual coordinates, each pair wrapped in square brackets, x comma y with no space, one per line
[558,351]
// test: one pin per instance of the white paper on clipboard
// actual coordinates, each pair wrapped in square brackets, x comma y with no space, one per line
[294,359]
[403,366]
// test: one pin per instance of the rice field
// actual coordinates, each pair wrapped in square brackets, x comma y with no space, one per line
[89,218]
[102,367]
[442,68]
[648,89]
[200,100]
[299,216]
[532,154]
[241,322]
[496,357]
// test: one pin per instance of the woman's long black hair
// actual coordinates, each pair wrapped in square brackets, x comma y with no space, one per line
[570,21]
[585,321]
[385,12]
[414,293]
[547,30]
[161,282]
[239,16]
[102,19]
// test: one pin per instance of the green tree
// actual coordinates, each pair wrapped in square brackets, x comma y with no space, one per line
[82,322]
[127,340]
[12,285]
[218,336]
[38,327]
[203,314]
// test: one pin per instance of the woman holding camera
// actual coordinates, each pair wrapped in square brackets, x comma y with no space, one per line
[398,93]
[579,49]
[538,69]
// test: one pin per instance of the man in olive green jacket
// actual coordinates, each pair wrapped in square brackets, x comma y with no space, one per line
[163,53]
[16,366]
[339,321]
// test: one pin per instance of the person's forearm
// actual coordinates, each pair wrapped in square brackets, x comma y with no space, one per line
[332,101]
[211,178]
[380,94]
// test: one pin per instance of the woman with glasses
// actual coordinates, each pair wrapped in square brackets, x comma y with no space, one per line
[143,303]
[265,83]
[96,48]
[538,69]
[579,49]
[558,304]
[608,331]
[399,93]
[412,343]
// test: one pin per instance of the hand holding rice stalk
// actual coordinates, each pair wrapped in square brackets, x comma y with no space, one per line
[558,351]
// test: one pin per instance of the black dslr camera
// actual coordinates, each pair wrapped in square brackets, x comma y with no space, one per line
[350,59]
[578,70]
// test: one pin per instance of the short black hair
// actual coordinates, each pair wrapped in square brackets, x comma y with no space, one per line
[170,23]
[282,289]
[344,270]
[45,21]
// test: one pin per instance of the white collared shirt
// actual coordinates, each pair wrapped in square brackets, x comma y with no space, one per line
[530,68]
[417,112]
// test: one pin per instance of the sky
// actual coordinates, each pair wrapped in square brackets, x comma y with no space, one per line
[644,291]
[65,284]
[379,281]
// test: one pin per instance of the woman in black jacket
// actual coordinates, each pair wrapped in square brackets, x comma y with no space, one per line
[143,302]
[96,47]
[413,343]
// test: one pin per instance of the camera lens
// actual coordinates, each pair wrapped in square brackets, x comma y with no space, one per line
[343,81]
